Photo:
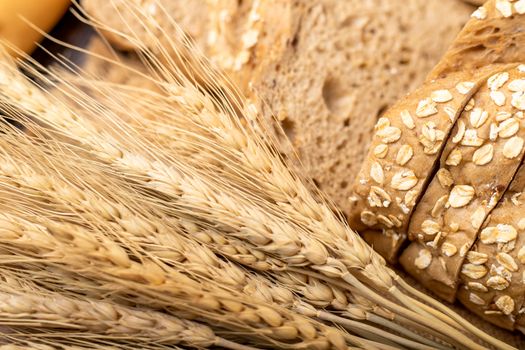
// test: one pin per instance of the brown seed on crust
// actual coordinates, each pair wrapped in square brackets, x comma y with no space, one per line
[518,100]
[404,154]
[497,80]
[439,206]
[382,123]
[445,178]
[448,249]
[461,132]
[480,13]
[441,96]
[477,217]
[451,113]
[461,195]
[504,7]
[513,147]
[505,304]
[498,98]
[519,6]
[483,155]
[507,261]
[410,198]
[454,158]
[464,248]
[502,115]
[407,119]
[423,259]
[389,134]
[426,108]
[376,173]
[378,197]
[508,127]
[368,218]
[464,87]
[381,150]
[497,283]
[521,255]
[471,138]
[478,117]
[476,299]
[430,227]
[404,180]
[474,271]
[493,133]
[477,287]
[477,258]
[517,85]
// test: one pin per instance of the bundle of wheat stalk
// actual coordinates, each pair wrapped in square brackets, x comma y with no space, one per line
[128,203]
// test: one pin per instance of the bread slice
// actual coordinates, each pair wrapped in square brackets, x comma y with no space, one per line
[476,167]
[408,141]
[327,69]
[496,292]
[463,233]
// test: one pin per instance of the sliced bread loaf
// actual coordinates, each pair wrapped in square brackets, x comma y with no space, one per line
[327,69]
[465,223]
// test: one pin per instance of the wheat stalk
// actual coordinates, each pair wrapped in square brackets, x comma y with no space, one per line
[147,231]
[306,243]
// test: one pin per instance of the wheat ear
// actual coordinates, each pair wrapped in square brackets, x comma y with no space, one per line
[64,244]
[22,304]
[159,236]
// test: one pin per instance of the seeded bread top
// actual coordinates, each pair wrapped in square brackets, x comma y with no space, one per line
[477,165]
[493,276]
[408,141]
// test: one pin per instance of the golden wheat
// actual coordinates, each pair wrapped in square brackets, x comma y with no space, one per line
[90,246]
[25,304]
[91,202]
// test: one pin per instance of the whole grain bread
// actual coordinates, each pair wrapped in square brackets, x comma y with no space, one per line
[326,69]
[464,223]
[476,167]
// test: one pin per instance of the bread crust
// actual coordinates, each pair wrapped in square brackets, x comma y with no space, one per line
[384,197]
[476,167]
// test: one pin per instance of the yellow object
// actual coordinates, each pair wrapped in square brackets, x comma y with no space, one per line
[44,14]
